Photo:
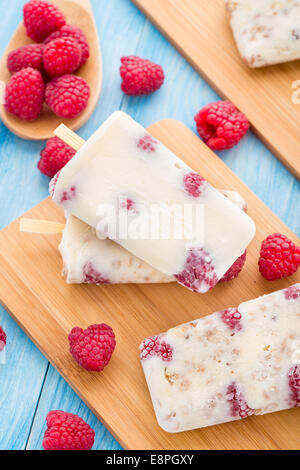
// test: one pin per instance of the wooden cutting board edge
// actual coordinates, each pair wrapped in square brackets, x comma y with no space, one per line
[10,278]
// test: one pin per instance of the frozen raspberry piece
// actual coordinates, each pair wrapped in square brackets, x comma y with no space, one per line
[2,339]
[279,257]
[221,125]
[24,94]
[294,384]
[235,269]
[26,56]
[67,96]
[91,276]
[42,18]
[232,318]
[92,348]
[199,273]
[66,431]
[238,404]
[52,184]
[193,184]
[292,292]
[140,76]
[128,204]
[72,31]
[155,346]
[61,56]
[147,143]
[54,156]
[68,195]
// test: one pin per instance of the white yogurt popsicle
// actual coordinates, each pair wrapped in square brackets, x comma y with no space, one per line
[87,259]
[266,31]
[123,167]
[227,366]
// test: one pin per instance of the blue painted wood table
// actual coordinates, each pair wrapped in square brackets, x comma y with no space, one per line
[29,386]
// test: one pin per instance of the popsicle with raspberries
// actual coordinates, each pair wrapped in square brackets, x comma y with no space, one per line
[122,167]
[93,260]
[227,366]
[88,259]
[266,32]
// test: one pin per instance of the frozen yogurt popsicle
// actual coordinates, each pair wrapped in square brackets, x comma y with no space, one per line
[227,366]
[93,260]
[88,259]
[124,168]
[266,31]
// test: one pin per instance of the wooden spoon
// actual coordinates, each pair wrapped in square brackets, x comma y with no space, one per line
[78,12]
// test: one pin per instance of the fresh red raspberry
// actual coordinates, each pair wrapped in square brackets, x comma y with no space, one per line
[24,94]
[72,31]
[91,276]
[54,156]
[199,273]
[294,384]
[26,56]
[156,346]
[235,269]
[2,339]
[66,431]
[42,18]
[232,318]
[238,404]
[61,56]
[67,96]
[221,125]
[92,348]
[140,76]
[193,184]
[279,257]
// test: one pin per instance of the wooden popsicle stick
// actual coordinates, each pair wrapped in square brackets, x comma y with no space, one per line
[47,227]
[69,137]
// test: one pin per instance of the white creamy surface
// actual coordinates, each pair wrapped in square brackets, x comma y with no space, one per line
[190,391]
[80,247]
[266,31]
[111,165]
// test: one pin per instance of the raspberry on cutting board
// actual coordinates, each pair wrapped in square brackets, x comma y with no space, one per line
[67,96]
[26,56]
[92,348]
[61,56]
[42,18]
[24,94]
[74,32]
[221,125]
[140,76]
[279,257]
[54,156]
[67,431]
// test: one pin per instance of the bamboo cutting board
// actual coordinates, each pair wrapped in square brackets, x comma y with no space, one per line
[33,291]
[200,30]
